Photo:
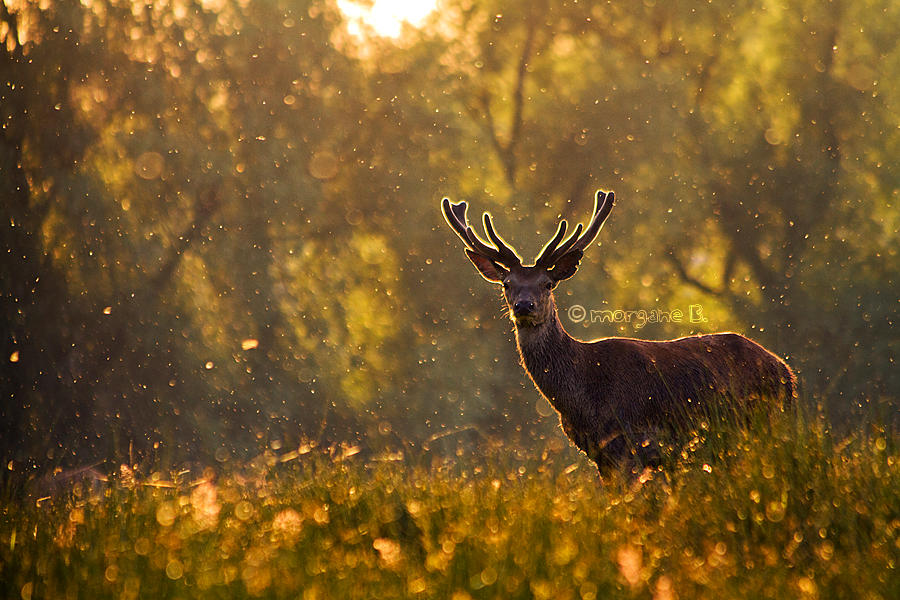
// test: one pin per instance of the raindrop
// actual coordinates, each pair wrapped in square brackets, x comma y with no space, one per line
[149,165]
[773,136]
[324,165]
[174,570]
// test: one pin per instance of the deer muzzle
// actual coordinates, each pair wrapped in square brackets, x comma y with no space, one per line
[523,308]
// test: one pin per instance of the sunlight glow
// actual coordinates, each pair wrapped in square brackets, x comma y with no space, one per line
[385,17]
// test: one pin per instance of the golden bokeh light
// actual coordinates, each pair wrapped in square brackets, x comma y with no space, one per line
[385,18]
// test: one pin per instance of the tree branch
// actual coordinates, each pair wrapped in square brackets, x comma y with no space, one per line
[682,271]
[728,270]
[502,149]
[507,150]
[206,208]
[519,91]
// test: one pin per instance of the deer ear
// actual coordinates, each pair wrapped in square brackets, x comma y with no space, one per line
[566,266]
[489,269]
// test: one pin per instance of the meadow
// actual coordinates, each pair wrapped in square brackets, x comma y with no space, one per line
[792,513]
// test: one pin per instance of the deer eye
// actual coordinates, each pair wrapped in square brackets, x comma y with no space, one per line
[550,285]
[505,285]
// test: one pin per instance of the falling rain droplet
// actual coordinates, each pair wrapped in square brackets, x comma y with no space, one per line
[149,165]
[323,165]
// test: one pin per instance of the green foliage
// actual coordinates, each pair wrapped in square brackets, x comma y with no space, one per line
[221,224]
[788,514]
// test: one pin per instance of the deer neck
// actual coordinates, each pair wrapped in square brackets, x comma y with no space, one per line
[549,355]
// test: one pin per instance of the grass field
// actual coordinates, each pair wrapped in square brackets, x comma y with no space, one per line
[789,514]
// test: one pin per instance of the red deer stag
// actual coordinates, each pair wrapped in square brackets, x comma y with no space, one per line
[616,395]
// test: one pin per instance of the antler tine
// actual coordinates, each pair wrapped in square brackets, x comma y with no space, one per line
[508,253]
[455,215]
[549,260]
[601,211]
[478,245]
[603,204]
[548,250]
[566,245]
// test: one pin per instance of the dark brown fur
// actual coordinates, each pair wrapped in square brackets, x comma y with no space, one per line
[618,397]
[617,394]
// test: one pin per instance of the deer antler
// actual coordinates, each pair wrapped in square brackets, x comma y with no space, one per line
[455,214]
[554,250]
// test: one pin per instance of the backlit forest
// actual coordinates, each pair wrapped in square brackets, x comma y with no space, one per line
[221,226]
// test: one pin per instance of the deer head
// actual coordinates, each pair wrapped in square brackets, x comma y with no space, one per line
[528,289]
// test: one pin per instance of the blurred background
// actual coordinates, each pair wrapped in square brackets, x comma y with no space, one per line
[221,228]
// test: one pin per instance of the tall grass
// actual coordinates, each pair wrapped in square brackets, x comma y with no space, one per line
[785,514]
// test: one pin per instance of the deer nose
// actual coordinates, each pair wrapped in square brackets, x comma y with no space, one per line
[523,307]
